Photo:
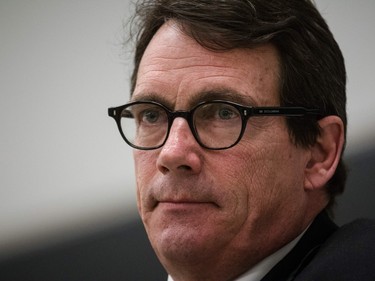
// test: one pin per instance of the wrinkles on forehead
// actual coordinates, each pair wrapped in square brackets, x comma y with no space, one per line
[177,71]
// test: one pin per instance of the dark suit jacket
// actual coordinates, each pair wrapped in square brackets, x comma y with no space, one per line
[329,253]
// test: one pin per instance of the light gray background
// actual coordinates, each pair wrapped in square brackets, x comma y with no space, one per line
[64,169]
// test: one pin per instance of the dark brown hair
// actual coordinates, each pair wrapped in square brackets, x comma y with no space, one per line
[312,66]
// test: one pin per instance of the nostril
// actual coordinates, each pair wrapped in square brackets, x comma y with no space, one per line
[163,170]
[185,167]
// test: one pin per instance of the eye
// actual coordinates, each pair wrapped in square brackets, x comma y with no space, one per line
[217,111]
[146,114]
[153,115]
[226,113]
[150,116]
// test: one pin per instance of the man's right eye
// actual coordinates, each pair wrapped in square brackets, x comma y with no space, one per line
[150,116]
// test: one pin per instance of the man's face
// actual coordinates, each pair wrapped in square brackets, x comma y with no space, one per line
[214,207]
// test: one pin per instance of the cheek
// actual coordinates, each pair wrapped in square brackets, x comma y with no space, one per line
[266,173]
[145,165]
[145,168]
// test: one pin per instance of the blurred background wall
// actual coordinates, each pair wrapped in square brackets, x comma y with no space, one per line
[63,168]
[65,171]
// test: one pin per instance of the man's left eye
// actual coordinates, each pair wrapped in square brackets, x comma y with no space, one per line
[226,113]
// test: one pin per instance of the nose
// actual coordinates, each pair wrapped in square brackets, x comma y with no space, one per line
[181,153]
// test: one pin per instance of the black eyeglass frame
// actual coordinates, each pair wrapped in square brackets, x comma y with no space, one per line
[245,112]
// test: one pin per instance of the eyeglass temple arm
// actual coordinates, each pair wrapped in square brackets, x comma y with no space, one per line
[283,111]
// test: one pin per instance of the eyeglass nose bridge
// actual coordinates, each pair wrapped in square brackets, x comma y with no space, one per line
[187,115]
[180,113]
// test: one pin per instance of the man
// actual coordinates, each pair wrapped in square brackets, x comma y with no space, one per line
[238,120]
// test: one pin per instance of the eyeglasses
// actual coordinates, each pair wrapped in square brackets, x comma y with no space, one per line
[215,124]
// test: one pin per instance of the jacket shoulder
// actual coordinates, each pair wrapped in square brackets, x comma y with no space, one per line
[348,254]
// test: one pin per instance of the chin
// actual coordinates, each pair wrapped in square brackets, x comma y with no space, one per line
[183,243]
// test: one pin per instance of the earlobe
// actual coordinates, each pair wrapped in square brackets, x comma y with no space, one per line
[325,153]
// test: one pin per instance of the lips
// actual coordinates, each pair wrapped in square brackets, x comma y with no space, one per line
[181,193]
[185,203]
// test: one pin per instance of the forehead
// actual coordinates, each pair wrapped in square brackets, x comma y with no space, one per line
[175,69]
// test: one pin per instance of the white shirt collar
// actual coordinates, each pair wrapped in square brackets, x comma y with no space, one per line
[257,272]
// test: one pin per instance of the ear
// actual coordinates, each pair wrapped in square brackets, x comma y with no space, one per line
[325,153]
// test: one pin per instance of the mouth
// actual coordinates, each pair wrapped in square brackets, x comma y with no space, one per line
[185,204]
[179,197]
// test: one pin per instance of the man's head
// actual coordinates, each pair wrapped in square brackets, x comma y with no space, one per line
[312,66]
[225,210]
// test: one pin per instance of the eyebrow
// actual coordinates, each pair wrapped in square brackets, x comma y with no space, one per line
[219,93]
[223,94]
[152,96]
